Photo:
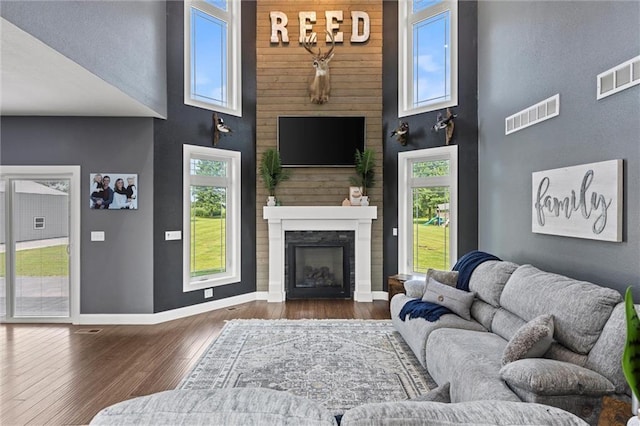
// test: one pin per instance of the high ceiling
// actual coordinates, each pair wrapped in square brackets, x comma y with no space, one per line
[37,80]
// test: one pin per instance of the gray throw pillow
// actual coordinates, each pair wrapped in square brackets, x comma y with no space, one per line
[415,288]
[459,301]
[531,340]
[449,278]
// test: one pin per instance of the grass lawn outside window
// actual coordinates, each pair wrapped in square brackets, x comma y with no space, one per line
[39,262]
[431,246]
[208,246]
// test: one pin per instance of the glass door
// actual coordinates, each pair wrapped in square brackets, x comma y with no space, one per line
[37,250]
[3,251]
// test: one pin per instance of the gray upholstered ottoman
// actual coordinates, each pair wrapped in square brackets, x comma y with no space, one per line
[239,406]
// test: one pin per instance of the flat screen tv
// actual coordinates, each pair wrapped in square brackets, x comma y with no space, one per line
[320,141]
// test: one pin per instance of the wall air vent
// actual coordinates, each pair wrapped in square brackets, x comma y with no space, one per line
[534,114]
[618,78]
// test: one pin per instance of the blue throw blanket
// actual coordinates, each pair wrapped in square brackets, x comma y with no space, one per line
[416,308]
[467,264]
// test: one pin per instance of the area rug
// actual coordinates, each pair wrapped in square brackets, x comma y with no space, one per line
[339,363]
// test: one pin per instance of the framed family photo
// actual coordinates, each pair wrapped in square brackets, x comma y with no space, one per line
[113,191]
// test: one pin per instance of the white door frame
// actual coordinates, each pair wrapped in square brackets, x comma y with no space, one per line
[73,174]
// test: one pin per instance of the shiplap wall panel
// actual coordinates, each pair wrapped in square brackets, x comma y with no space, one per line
[284,72]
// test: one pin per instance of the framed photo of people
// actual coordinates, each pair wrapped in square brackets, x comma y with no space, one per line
[113,191]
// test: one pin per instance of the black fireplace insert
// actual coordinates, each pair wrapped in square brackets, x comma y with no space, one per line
[319,266]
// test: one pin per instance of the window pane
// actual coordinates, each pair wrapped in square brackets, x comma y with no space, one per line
[41,287]
[201,167]
[221,4]
[419,5]
[430,168]
[208,58]
[431,60]
[431,228]
[3,248]
[208,230]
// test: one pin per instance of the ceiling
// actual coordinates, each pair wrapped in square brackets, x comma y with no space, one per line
[38,80]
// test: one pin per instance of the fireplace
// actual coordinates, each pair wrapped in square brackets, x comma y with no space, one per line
[283,219]
[319,264]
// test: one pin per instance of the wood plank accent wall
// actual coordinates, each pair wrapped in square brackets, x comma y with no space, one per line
[284,72]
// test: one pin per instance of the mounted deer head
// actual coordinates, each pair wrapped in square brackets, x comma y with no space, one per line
[321,86]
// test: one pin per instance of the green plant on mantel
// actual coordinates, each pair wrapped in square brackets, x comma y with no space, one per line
[365,164]
[631,354]
[271,170]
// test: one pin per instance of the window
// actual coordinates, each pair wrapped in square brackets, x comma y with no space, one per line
[427,55]
[212,55]
[427,209]
[211,217]
[38,223]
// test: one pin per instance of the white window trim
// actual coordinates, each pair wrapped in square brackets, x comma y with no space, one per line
[405,208]
[406,19]
[233,209]
[234,52]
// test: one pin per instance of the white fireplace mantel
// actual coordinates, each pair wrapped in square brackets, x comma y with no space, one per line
[320,218]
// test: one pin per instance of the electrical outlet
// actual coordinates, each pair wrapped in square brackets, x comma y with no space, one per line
[395,232]
[208,292]
[97,235]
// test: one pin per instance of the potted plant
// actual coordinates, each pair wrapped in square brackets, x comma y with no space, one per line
[365,178]
[631,354]
[272,173]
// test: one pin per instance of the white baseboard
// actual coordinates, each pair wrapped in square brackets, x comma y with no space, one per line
[262,295]
[157,318]
[148,319]
[380,295]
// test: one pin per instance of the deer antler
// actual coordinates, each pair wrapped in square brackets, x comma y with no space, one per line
[307,45]
[333,44]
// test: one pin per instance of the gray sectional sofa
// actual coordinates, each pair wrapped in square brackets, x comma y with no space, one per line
[582,365]
[267,407]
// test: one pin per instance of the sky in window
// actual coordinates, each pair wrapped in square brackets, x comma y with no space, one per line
[208,58]
[419,5]
[222,4]
[431,63]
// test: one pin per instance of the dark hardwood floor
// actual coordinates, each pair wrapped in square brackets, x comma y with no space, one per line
[63,374]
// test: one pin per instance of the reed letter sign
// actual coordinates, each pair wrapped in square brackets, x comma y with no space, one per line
[581,201]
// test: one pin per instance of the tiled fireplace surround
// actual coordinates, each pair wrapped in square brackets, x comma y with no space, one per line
[319,218]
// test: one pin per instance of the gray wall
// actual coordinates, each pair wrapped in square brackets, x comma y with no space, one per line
[122,42]
[189,125]
[528,51]
[421,135]
[117,274]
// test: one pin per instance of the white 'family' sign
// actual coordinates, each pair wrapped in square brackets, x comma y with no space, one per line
[582,201]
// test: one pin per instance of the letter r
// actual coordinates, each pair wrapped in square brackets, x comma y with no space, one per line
[279,23]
